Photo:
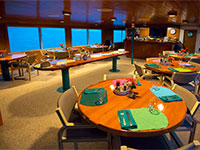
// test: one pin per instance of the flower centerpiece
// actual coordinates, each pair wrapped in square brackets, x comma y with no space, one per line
[170,59]
[184,50]
[61,45]
[2,52]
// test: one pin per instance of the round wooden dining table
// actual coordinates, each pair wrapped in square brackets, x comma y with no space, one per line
[105,117]
[5,66]
[164,68]
[184,56]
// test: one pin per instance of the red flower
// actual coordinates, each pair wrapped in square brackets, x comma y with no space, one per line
[61,44]
[2,51]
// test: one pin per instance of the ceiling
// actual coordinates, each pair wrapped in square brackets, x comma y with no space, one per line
[86,13]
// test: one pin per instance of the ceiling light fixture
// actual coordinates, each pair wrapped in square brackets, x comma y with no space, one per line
[172,13]
[53,15]
[104,10]
[113,19]
[185,21]
[66,13]
[61,21]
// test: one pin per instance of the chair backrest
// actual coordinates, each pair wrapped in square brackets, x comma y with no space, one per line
[43,51]
[189,98]
[151,58]
[197,65]
[117,75]
[31,59]
[65,104]
[61,55]
[139,70]
[183,78]
[196,60]
[168,52]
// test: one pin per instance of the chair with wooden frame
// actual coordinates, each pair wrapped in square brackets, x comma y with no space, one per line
[196,60]
[61,55]
[26,63]
[116,75]
[141,73]
[190,146]
[190,122]
[186,80]
[75,128]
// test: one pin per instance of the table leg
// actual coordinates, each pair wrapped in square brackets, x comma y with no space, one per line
[65,81]
[5,70]
[114,65]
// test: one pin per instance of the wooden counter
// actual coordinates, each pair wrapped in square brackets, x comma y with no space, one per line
[145,49]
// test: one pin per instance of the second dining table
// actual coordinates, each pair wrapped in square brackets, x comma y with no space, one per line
[108,116]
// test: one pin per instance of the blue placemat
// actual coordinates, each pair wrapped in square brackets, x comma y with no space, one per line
[172,69]
[153,65]
[165,94]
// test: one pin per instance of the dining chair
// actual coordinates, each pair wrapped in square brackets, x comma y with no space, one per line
[168,52]
[75,128]
[186,80]
[139,71]
[196,60]
[192,104]
[61,55]
[151,58]
[191,146]
[196,65]
[117,75]
[26,63]
[45,56]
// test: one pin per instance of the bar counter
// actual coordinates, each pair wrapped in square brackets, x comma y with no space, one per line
[145,49]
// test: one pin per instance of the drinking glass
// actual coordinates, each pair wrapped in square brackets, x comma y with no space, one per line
[101,96]
[152,104]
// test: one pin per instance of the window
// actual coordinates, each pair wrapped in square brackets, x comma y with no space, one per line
[86,37]
[119,35]
[79,37]
[23,38]
[94,36]
[52,37]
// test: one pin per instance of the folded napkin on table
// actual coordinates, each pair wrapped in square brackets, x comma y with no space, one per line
[189,65]
[138,83]
[165,94]
[127,125]
[189,57]
[94,90]
[153,65]
[172,69]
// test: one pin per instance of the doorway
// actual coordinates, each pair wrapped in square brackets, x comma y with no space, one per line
[190,40]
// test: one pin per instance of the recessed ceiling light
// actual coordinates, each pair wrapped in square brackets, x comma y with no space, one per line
[66,13]
[61,21]
[53,15]
[0,17]
[113,19]
[172,13]
[185,21]
[104,9]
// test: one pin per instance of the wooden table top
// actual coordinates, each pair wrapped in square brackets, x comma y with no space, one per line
[164,68]
[54,65]
[12,57]
[105,116]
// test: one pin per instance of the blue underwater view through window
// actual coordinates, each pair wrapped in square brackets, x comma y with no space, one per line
[119,35]
[94,36]
[23,38]
[52,37]
[79,37]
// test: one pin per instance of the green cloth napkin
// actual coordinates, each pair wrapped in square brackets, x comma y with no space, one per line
[179,69]
[127,125]
[193,55]
[182,70]
[147,120]
[90,97]
[172,69]
[189,65]
[188,57]
[93,91]
[153,65]
[171,98]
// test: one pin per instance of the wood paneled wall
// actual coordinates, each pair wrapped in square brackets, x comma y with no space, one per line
[107,34]
[144,32]
[4,42]
[174,35]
